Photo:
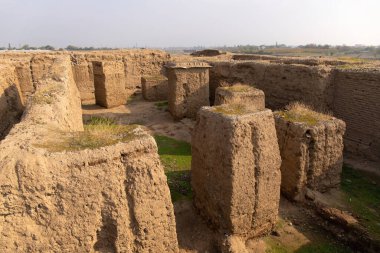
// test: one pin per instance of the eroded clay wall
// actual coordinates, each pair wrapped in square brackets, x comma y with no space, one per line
[357,102]
[281,83]
[351,94]
[11,106]
[137,63]
[108,199]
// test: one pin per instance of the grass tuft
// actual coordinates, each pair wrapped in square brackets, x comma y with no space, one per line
[298,112]
[99,132]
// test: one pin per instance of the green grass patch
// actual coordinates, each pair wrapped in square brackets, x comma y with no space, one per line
[323,248]
[175,155]
[98,132]
[363,197]
[275,246]
[100,121]
[162,105]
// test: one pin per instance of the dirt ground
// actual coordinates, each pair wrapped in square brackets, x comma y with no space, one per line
[153,115]
[296,230]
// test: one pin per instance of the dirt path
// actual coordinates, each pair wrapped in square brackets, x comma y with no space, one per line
[150,114]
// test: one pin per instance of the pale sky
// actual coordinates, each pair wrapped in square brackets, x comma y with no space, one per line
[166,23]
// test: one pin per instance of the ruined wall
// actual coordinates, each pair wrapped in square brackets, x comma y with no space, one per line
[236,170]
[109,199]
[109,80]
[83,76]
[357,102]
[11,106]
[240,94]
[350,94]
[154,88]
[281,83]
[137,63]
[188,89]
[312,155]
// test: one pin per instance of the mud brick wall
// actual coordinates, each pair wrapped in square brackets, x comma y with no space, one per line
[83,76]
[236,170]
[281,83]
[155,88]
[109,79]
[240,94]
[188,91]
[109,199]
[136,63]
[312,156]
[11,106]
[357,102]
[351,95]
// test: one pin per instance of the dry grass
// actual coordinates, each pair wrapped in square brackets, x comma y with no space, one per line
[46,94]
[232,109]
[98,132]
[298,112]
[238,88]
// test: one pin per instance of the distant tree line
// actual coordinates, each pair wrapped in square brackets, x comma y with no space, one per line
[325,49]
[48,47]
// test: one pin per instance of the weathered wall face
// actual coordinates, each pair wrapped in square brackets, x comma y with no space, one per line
[240,94]
[188,91]
[357,102]
[110,199]
[281,83]
[109,80]
[351,95]
[137,63]
[83,76]
[143,63]
[236,170]
[155,88]
[11,106]
[312,156]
